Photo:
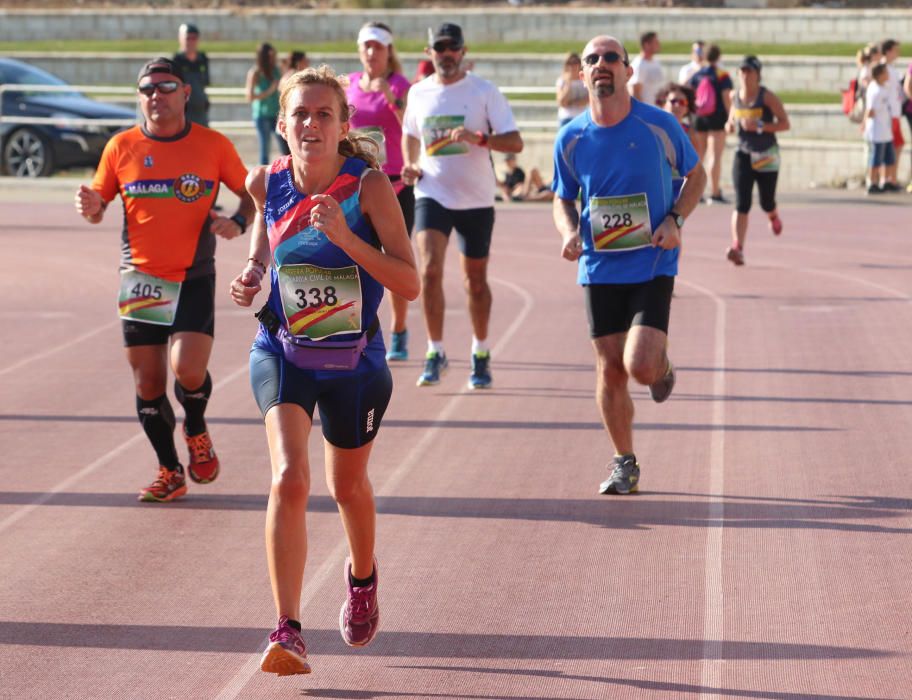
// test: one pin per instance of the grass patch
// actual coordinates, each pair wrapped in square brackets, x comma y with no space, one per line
[166,47]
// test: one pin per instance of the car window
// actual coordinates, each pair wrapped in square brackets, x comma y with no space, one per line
[24,74]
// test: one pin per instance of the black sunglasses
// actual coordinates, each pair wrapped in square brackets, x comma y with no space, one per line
[165,87]
[442,46]
[609,56]
[676,101]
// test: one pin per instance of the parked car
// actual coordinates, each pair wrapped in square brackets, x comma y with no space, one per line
[37,150]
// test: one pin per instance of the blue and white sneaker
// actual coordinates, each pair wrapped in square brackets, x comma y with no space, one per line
[398,351]
[481,371]
[434,366]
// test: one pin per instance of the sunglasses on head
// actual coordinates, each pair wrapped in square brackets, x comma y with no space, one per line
[165,87]
[609,56]
[442,46]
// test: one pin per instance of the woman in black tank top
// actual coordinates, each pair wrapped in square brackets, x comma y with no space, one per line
[756,114]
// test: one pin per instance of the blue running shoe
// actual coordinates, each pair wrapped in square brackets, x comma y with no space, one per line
[398,351]
[481,371]
[435,365]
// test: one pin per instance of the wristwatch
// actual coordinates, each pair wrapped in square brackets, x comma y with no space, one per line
[759,126]
[678,219]
[240,221]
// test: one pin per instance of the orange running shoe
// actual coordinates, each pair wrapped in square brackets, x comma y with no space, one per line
[168,486]
[204,465]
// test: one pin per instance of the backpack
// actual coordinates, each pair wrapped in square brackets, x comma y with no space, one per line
[706,97]
[853,102]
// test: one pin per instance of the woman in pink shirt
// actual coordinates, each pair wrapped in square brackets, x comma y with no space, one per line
[378,94]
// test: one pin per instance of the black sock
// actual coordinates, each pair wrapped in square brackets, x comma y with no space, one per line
[194,403]
[157,419]
[361,582]
[295,624]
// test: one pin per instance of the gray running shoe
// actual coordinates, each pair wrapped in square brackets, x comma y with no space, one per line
[624,478]
[661,390]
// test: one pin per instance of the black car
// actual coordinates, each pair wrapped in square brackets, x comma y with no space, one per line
[36,150]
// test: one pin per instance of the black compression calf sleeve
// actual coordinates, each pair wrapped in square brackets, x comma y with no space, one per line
[194,403]
[157,419]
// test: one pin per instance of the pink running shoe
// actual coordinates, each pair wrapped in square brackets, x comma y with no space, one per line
[286,654]
[359,618]
[776,225]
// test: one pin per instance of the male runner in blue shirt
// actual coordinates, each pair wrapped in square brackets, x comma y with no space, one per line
[620,154]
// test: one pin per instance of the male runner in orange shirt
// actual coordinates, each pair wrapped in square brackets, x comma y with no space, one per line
[168,172]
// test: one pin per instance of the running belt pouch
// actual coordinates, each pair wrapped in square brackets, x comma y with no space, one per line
[321,354]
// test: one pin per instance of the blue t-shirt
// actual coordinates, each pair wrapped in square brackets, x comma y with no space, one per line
[630,160]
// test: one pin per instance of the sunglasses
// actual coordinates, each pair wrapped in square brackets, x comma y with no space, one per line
[442,46]
[165,87]
[675,101]
[610,57]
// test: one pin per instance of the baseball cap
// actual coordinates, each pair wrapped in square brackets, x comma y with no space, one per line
[188,28]
[161,65]
[751,63]
[447,32]
[378,34]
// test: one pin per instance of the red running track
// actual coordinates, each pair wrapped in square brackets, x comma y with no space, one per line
[767,555]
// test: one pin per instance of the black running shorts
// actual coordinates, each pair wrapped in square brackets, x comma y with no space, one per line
[195,313]
[615,308]
[473,226]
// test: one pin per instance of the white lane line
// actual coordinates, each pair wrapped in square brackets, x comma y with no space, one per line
[15,517]
[332,565]
[713,594]
[62,345]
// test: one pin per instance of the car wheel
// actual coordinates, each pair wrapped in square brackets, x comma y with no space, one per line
[28,154]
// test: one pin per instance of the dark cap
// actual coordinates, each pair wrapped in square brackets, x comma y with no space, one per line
[188,28]
[751,63]
[447,32]
[161,65]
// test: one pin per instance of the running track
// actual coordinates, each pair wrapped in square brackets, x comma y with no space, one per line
[767,555]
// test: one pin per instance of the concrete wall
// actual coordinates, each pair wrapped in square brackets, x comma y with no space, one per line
[480,24]
[804,74]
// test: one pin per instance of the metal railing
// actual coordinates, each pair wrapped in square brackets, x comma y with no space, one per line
[230,92]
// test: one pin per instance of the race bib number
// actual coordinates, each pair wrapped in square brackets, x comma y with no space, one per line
[620,223]
[319,302]
[146,298]
[375,134]
[766,161]
[435,132]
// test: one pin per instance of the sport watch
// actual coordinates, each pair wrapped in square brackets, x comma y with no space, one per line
[678,219]
[240,220]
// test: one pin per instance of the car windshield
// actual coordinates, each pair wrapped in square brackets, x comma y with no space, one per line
[23,74]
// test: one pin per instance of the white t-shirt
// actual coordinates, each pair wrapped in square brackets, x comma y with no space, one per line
[457,175]
[577,92]
[878,128]
[648,73]
[687,72]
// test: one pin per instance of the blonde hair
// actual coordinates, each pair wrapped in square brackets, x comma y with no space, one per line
[353,145]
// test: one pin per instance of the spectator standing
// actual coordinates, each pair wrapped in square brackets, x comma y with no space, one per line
[194,64]
[889,50]
[907,110]
[713,87]
[263,94]
[572,96]
[378,94]
[878,129]
[696,63]
[648,76]
[678,100]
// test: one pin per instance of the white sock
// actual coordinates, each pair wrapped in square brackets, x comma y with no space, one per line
[480,347]
[435,346]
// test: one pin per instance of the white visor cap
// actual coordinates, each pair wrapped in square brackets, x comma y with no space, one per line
[374,34]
